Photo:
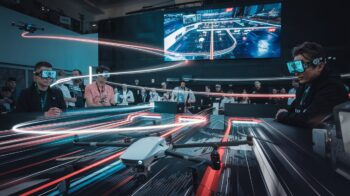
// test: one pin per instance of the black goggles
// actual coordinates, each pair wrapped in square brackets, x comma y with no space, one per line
[297,66]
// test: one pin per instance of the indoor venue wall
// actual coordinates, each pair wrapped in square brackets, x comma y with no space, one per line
[16,50]
[301,21]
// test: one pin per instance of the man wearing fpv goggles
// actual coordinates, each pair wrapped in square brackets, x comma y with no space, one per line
[40,97]
[319,92]
[99,93]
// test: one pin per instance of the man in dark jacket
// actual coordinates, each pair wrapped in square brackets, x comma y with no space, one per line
[40,97]
[319,91]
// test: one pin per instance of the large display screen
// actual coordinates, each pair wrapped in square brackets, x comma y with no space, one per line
[227,33]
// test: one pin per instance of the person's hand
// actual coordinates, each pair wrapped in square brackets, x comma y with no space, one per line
[280,111]
[53,112]
[74,99]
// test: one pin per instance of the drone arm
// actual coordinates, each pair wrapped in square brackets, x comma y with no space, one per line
[111,144]
[215,144]
[188,157]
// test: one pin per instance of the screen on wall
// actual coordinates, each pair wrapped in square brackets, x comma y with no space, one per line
[227,33]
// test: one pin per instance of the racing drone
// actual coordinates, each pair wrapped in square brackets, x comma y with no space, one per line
[142,153]
[31,28]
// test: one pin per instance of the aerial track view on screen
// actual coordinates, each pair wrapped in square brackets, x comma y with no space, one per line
[225,33]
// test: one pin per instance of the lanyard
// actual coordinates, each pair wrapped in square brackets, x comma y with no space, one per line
[43,100]
[100,91]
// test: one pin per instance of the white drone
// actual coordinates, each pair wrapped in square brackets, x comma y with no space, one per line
[143,152]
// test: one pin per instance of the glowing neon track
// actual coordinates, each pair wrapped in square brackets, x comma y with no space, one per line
[187,122]
[152,50]
[105,160]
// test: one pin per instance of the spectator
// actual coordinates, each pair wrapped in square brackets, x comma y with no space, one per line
[5,99]
[116,96]
[274,100]
[153,96]
[320,92]
[244,99]
[40,97]
[143,97]
[77,89]
[217,99]
[227,99]
[99,93]
[11,83]
[126,96]
[164,95]
[136,91]
[293,90]
[258,89]
[70,101]
[182,94]
[207,99]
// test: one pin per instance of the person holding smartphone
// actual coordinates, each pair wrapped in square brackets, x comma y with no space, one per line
[40,97]
[99,93]
[320,91]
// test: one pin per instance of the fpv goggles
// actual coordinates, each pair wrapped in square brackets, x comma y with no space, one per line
[46,74]
[299,66]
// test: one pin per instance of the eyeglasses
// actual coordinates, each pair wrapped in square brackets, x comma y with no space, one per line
[46,74]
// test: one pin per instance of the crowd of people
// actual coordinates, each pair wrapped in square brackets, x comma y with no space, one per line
[316,92]
[76,94]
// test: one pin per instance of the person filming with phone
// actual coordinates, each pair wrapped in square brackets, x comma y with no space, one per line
[320,91]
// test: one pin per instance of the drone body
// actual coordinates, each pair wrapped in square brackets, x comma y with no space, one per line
[31,28]
[144,151]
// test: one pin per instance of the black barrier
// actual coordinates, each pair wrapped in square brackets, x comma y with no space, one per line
[251,110]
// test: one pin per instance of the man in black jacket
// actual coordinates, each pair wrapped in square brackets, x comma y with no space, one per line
[319,91]
[40,97]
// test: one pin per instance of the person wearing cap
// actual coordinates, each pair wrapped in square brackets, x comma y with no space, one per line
[320,91]
[99,93]
[40,97]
